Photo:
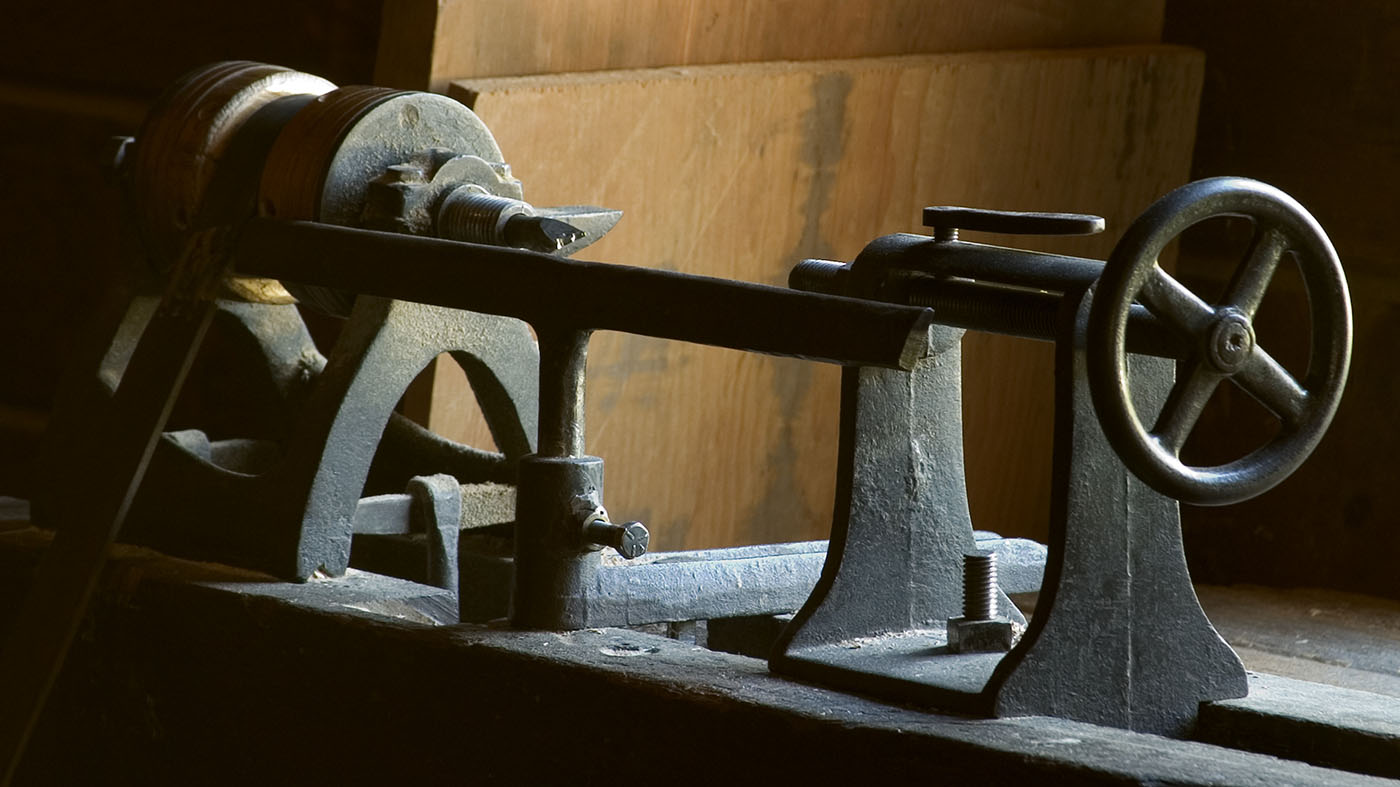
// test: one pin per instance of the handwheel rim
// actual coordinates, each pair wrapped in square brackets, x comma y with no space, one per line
[1132,268]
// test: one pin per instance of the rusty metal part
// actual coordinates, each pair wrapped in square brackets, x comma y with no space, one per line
[181,143]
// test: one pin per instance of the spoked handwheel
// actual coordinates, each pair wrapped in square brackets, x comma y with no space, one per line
[1222,341]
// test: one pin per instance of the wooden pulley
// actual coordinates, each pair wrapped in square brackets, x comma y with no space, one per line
[321,166]
[187,143]
[324,159]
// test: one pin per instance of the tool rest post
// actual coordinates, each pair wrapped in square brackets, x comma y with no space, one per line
[563,359]
[554,573]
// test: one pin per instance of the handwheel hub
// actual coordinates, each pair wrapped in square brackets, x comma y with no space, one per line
[1230,341]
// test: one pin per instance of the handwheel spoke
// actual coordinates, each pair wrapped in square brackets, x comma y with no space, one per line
[1176,305]
[1183,407]
[1252,278]
[1267,381]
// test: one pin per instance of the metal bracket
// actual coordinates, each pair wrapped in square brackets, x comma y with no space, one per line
[1118,637]
[287,506]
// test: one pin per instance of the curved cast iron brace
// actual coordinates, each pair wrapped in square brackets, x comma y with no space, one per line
[1118,637]
[384,346]
[293,516]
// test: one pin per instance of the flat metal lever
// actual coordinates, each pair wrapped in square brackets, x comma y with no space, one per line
[947,220]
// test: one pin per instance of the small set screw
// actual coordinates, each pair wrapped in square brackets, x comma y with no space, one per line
[630,539]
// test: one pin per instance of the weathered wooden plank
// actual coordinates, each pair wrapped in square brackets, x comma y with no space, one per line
[426,43]
[741,171]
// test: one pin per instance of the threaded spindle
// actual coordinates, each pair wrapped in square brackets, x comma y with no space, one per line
[474,217]
[980,585]
[818,276]
[966,305]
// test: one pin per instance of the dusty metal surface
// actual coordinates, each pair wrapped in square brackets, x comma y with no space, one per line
[185,658]
[1090,653]
[293,513]
[280,489]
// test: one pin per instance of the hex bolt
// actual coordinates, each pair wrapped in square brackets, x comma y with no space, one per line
[980,585]
[630,539]
[980,629]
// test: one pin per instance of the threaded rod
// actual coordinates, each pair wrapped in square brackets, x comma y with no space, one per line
[980,585]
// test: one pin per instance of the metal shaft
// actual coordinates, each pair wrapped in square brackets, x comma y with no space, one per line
[988,307]
[587,295]
[563,361]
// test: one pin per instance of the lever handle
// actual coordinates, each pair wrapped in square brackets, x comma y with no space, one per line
[947,220]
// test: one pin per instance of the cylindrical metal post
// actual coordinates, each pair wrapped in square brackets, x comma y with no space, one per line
[554,569]
[563,359]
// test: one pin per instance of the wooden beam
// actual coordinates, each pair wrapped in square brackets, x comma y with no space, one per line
[426,43]
[743,170]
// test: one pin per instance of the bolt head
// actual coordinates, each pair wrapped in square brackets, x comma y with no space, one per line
[1231,341]
[634,540]
[980,636]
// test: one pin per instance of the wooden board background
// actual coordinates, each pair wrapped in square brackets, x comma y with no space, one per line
[740,171]
[426,43]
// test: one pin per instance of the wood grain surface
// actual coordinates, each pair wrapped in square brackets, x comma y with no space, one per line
[742,170]
[426,43]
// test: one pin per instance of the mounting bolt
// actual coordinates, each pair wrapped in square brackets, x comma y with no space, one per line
[980,629]
[630,539]
[980,585]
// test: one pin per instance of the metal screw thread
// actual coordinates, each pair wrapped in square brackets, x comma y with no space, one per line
[947,234]
[1015,313]
[817,276]
[980,585]
[474,217]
